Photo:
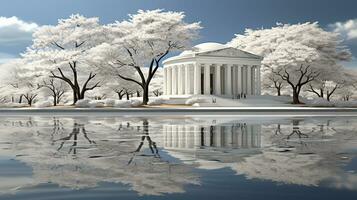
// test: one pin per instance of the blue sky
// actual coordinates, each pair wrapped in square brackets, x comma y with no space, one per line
[221,19]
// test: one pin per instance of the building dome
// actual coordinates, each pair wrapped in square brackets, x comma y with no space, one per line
[209,46]
[203,47]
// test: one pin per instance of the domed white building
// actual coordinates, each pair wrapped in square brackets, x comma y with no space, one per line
[212,68]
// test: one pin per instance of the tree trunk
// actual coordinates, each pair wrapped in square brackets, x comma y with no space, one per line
[329,94]
[54,100]
[279,91]
[78,93]
[58,99]
[119,96]
[127,96]
[156,93]
[81,94]
[146,95]
[29,101]
[75,99]
[295,96]
[20,100]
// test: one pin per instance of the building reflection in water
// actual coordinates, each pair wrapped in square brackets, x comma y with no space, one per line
[186,137]
[81,153]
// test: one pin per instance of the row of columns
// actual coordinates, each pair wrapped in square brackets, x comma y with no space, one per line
[196,136]
[218,79]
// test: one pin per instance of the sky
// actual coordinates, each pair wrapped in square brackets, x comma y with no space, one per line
[221,19]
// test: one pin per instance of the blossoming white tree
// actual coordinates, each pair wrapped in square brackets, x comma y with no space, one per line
[346,92]
[143,41]
[271,82]
[348,88]
[330,81]
[60,51]
[102,58]
[54,88]
[157,83]
[20,82]
[293,64]
[298,54]
[121,87]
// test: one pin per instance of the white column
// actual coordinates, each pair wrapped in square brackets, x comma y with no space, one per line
[249,80]
[187,79]
[180,81]
[228,77]
[165,81]
[244,79]
[218,80]
[237,79]
[169,81]
[258,81]
[179,78]
[253,80]
[197,79]
[234,81]
[174,80]
[207,79]
[240,79]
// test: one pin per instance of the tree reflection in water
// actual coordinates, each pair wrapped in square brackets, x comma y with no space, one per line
[81,152]
[77,129]
[295,132]
[151,144]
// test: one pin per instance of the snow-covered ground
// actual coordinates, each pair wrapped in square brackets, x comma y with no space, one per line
[203,101]
[249,101]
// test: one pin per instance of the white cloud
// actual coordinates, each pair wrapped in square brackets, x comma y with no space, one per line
[347,29]
[15,31]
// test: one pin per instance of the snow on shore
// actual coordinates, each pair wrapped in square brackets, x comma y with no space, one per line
[196,101]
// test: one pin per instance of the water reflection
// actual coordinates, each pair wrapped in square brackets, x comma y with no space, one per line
[73,136]
[237,135]
[157,156]
[65,153]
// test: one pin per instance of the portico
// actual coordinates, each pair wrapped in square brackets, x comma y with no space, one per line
[212,69]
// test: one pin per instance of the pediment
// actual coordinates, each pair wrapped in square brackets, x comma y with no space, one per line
[230,52]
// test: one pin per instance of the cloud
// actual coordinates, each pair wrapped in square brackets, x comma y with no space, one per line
[347,29]
[14,31]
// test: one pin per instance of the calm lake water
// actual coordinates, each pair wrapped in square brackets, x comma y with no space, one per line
[198,157]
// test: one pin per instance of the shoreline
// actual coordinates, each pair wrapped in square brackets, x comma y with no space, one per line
[304,111]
